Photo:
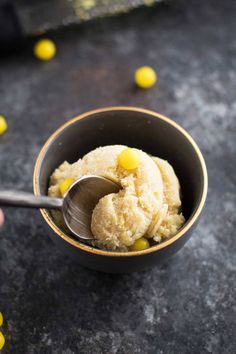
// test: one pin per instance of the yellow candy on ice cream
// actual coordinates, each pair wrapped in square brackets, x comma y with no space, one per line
[129,159]
[140,244]
[65,185]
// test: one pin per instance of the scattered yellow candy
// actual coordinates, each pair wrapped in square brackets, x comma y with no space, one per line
[45,49]
[145,77]
[3,125]
[140,244]
[65,185]
[1,319]
[129,159]
[2,340]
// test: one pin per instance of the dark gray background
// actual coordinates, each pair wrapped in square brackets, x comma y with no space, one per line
[52,305]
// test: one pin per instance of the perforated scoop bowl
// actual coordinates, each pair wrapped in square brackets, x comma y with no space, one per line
[76,206]
[80,201]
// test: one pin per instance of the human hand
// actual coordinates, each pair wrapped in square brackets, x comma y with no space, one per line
[1,218]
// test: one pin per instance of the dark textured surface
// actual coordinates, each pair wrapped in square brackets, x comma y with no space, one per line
[188,305]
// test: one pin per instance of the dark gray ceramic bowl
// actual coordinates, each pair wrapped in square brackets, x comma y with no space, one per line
[135,127]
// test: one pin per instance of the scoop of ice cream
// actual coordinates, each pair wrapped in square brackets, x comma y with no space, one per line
[148,203]
[118,219]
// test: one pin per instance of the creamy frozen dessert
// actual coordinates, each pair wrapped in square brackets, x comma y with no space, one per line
[147,208]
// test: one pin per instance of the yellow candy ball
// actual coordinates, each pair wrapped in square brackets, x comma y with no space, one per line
[1,319]
[45,49]
[145,77]
[140,244]
[129,159]
[3,125]
[2,340]
[65,185]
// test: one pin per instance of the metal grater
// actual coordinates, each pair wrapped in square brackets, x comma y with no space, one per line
[24,18]
[39,16]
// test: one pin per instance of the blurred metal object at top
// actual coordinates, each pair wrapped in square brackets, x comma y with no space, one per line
[40,16]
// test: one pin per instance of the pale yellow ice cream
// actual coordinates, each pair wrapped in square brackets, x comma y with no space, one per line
[147,205]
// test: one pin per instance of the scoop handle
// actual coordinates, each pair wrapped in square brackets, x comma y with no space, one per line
[29,200]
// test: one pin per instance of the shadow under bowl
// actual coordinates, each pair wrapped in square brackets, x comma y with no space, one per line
[151,132]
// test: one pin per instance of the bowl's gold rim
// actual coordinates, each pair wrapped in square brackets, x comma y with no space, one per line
[152,249]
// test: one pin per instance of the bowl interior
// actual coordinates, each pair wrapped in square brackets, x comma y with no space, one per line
[151,134]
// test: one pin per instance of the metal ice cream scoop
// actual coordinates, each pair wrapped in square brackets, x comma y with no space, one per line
[76,206]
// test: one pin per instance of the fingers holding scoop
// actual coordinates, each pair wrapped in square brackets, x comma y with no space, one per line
[1,218]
